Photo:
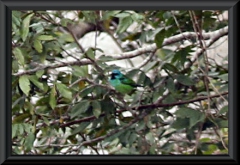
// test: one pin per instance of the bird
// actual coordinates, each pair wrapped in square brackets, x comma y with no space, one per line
[122,83]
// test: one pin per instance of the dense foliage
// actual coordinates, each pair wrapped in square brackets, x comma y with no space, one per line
[62,102]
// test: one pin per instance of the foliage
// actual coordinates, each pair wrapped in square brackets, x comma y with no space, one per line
[62,102]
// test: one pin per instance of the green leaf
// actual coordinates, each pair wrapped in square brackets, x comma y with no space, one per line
[140,126]
[190,134]
[224,109]
[80,71]
[89,16]
[80,128]
[222,123]
[181,55]
[35,81]
[180,123]
[170,67]
[135,36]
[114,136]
[19,56]
[108,14]
[15,66]
[122,15]
[37,27]
[86,91]
[20,118]
[20,128]
[96,108]
[29,141]
[39,73]
[46,121]
[142,77]
[193,115]
[211,149]
[123,138]
[107,105]
[27,127]
[170,85]
[132,138]
[124,151]
[185,80]
[64,91]
[90,53]
[148,82]
[224,88]
[124,24]
[205,140]
[38,45]
[52,99]
[150,138]
[169,99]
[24,84]
[137,17]
[132,73]
[14,130]
[159,37]
[224,77]
[65,22]
[150,65]
[167,15]
[15,18]
[45,37]
[66,37]
[80,108]
[25,26]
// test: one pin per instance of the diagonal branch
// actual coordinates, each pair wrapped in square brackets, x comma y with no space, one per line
[89,142]
[115,131]
[213,36]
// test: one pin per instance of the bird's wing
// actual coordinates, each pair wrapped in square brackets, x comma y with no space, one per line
[127,81]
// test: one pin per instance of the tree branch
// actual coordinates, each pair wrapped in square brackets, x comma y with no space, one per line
[141,107]
[52,66]
[115,131]
[89,142]
[213,36]
[157,105]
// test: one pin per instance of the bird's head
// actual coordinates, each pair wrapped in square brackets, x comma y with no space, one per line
[116,74]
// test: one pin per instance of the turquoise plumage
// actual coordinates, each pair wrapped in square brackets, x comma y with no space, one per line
[122,83]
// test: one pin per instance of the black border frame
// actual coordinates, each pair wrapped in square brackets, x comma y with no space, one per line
[5,71]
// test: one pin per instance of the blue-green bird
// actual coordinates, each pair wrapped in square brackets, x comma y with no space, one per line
[122,83]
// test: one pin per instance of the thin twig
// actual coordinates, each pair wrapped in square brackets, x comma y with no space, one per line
[221,138]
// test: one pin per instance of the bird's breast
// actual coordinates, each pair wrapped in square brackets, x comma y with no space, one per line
[120,87]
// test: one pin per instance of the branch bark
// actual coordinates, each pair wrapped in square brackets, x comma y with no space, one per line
[152,106]
[213,36]
[131,122]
